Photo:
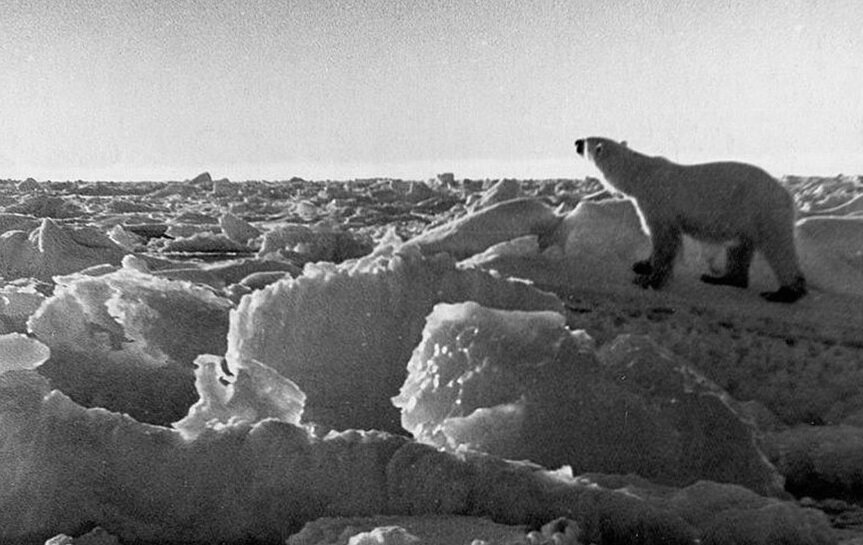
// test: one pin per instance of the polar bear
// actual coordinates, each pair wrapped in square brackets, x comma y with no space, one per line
[711,202]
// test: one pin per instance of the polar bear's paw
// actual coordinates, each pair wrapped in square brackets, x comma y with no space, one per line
[642,267]
[787,294]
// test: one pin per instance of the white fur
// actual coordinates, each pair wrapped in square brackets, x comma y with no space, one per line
[712,202]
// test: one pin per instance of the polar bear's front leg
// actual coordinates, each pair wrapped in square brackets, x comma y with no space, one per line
[655,273]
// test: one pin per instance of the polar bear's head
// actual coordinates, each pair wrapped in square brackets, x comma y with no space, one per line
[612,158]
[600,150]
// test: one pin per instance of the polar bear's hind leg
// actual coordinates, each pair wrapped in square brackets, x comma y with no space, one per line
[781,255]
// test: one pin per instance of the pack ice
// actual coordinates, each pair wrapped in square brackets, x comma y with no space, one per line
[620,440]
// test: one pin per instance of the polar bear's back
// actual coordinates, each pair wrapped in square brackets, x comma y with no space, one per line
[722,200]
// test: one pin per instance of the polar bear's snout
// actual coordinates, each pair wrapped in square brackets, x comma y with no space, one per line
[579,147]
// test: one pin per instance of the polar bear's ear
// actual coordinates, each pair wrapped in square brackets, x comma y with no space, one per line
[624,144]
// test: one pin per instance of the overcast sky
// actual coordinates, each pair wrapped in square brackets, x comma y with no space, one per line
[139,89]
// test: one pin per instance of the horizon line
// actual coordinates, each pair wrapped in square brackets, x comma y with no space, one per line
[422,170]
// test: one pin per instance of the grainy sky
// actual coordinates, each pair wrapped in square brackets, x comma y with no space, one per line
[141,89]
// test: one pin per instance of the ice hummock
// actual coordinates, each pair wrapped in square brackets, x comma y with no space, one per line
[17,303]
[255,393]
[129,316]
[501,222]
[343,333]
[243,482]
[261,481]
[18,351]
[53,249]
[521,385]
[127,340]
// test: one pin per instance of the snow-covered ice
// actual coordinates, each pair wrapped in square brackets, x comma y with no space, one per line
[230,368]
[265,481]
[52,249]
[344,333]
[254,393]
[127,340]
[522,386]
[18,351]
[480,230]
